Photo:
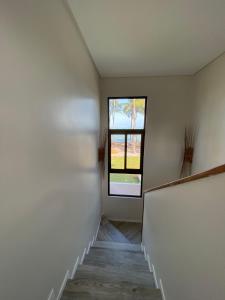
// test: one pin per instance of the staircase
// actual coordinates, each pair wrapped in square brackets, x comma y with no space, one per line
[113,271]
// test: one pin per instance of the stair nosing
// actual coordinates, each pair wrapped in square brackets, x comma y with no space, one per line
[118,246]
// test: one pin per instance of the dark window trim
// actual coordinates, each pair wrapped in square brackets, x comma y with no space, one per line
[126,132]
[126,170]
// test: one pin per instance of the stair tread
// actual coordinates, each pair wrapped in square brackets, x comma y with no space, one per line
[78,289]
[117,253]
[104,257]
[118,246]
[114,270]
[112,274]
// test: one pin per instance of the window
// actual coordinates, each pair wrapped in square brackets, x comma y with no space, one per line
[126,135]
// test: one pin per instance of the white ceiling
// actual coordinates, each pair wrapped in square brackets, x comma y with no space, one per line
[151,37]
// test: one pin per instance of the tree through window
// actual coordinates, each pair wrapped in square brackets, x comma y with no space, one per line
[126,134]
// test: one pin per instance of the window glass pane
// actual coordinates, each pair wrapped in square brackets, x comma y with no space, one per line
[133,151]
[125,184]
[117,151]
[126,113]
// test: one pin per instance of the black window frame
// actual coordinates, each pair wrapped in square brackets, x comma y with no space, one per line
[127,132]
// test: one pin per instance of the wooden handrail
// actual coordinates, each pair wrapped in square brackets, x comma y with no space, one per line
[210,172]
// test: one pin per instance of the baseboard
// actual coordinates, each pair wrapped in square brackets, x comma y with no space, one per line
[162,289]
[66,277]
[83,256]
[150,265]
[70,275]
[93,241]
[89,247]
[152,269]
[145,254]
[75,268]
[154,276]
[125,220]
[51,295]
[96,234]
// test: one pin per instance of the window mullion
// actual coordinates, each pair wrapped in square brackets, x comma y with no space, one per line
[109,150]
[125,153]
[142,151]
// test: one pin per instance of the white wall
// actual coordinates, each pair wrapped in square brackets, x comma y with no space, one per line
[169,108]
[49,127]
[184,225]
[210,112]
[184,235]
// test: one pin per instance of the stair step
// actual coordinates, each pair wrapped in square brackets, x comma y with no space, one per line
[109,274]
[118,246]
[132,261]
[83,290]
[113,270]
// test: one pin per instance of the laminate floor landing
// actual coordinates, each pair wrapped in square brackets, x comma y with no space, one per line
[120,232]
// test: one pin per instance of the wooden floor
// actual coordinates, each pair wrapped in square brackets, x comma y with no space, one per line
[132,231]
[113,270]
[120,232]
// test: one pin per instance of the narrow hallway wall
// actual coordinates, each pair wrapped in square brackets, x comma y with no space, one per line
[49,134]
[210,116]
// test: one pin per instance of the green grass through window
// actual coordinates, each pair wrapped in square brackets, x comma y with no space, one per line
[125,178]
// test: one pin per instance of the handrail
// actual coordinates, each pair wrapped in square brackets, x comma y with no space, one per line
[210,172]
